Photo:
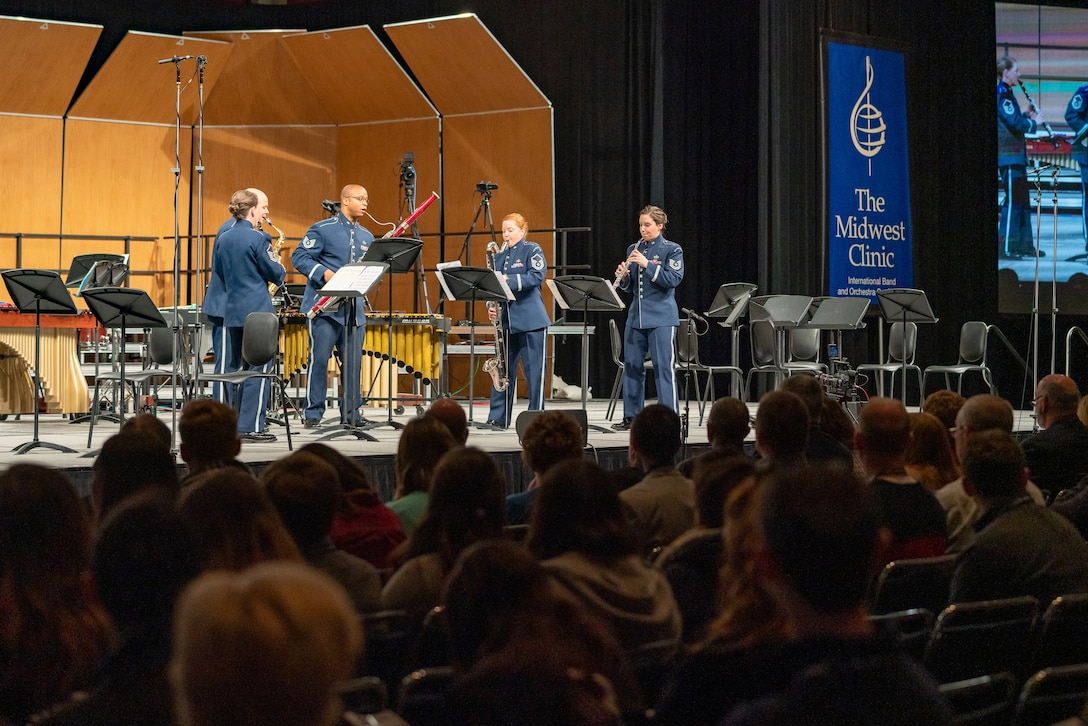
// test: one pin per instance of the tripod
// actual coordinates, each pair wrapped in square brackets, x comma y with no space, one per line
[484,189]
[408,185]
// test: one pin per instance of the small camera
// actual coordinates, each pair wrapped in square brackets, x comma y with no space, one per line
[486,186]
[330,206]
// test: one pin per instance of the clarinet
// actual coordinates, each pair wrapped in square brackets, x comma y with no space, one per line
[623,274]
[1031,103]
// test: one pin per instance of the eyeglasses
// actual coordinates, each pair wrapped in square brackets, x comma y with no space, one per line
[360,198]
[955,430]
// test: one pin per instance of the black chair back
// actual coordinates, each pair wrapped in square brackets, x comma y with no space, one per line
[979,638]
[914,583]
[260,338]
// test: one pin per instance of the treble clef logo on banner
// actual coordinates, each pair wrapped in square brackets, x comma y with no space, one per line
[867,122]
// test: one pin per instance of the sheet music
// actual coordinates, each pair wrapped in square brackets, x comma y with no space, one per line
[354,279]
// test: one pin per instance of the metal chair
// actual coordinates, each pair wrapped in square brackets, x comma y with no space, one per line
[803,352]
[973,338]
[1063,633]
[1052,695]
[688,362]
[260,345]
[979,638]
[765,360]
[617,358]
[900,347]
[915,583]
[982,701]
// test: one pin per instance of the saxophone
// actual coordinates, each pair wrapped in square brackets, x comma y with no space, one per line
[496,367]
[273,288]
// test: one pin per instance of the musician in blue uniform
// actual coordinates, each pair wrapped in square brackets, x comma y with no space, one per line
[243,265]
[1076,115]
[524,322]
[1014,230]
[215,302]
[327,246]
[651,272]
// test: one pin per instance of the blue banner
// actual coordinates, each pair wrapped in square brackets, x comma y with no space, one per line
[869,238]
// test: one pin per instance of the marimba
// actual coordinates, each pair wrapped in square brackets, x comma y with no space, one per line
[63,385]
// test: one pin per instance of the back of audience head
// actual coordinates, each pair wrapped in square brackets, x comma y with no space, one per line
[578,509]
[128,463]
[143,558]
[811,393]
[929,447]
[883,430]
[781,427]
[822,529]
[209,434]
[945,404]
[836,423]
[148,424]
[994,465]
[422,443]
[265,645]
[452,416]
[306,492]
[468,504]
[655,435]
[1056,396]
[981,412]
[713,484]
[551,437]
[53,635]
[728,423]
[234,521]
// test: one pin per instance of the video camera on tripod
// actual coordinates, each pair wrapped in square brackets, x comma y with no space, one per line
[841,382]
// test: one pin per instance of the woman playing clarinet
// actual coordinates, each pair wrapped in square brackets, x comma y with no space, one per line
[651,272]
[1014,231]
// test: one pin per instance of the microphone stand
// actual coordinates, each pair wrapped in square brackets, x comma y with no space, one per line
[466,251]
[177,249]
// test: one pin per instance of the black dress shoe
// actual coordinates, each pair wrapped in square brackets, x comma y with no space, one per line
[311,423]
[262,436]
[1030,253]
[495,424]
[624,425]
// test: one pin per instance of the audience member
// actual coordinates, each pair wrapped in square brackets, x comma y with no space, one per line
[52,634]
[1057,456]
[466,506]
[1082,410]
[234,522]
[691,562]
[452,416]
[727,425]
[267,645]
[306,493]
[979,413]
[499,599]
[148,424]
[820,445]
[551,437]
[144,557]
[838,423]
[781,428]
[910,511]
[363,525]
[822,535]
[747,616]
[580,534]
[209,437]
[945,404]
[130,462]
[1021,548]
[930,458]
[422,443]
[661,506]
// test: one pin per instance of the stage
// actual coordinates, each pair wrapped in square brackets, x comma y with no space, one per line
[377,456]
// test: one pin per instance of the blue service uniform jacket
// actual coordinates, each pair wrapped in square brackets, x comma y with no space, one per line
[653,290]
[524,266]
[1011,127]
[243,264]
[329,245]
[215,298]
[1076,115]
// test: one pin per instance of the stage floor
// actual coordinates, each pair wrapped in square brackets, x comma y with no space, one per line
[609,446]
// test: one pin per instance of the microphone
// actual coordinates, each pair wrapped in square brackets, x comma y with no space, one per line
[175,59]
[202,60]
[693,314]
[1040,169]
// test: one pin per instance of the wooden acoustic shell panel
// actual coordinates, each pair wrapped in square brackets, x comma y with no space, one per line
[43,62]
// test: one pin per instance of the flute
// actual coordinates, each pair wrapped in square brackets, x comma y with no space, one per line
[1031,102]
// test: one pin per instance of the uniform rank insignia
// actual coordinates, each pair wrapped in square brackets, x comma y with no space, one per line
[308,243]
[1007,106]
[538,262]
[1078,101]
[675,264]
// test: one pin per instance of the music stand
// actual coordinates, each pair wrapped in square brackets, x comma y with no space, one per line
[588,294]
[400,255]
[906,305]
[120,307]
[40,291]
[352,281]
[731,304]
[82,264]
[472,285]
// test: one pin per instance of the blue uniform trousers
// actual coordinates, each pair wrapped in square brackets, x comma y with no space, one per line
[326,333]
[221,352]
[1014,228]
[254,392]
[529,348]
[660,342]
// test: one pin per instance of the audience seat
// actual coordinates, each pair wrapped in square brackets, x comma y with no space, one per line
[423,696]
[982,701]
[917,583]
[910,628]
[1063,633]
[979,638]
[1052,695]
[388,637]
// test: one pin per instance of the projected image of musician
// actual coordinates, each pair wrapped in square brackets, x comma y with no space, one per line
[522,323]
[651,272]
[1014,229]
[328,245]
[1076,115]
[243,265]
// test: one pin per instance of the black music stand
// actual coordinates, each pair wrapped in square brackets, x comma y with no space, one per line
[39,291]
[352,281]
[122,307]
[730,304]
[588,294]
[400,254]
[83,264]
[472,285]
[905,305]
